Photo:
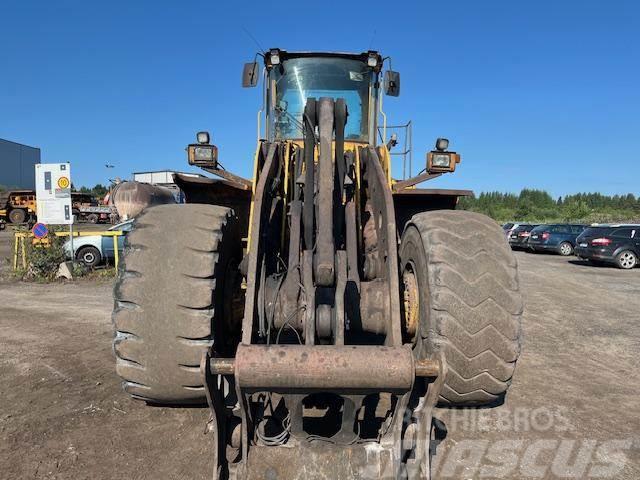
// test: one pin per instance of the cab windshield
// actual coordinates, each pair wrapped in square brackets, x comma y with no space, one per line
[316,77]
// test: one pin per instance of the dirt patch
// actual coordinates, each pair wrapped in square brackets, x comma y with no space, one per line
[576,388]
[63,414]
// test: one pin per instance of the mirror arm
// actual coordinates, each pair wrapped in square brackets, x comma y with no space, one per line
[410,182]
[242,183]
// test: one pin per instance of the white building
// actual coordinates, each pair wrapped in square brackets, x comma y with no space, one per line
[163,178]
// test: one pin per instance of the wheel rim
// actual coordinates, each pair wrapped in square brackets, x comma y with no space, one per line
[88,258]
[627,260]
[17,216]
[565,249]
[411,301]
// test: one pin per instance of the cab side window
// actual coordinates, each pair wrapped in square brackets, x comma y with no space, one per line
[622,233]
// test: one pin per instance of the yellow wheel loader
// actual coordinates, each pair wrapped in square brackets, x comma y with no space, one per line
[322,309]
[18,206]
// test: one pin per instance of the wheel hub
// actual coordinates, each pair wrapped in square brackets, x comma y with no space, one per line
[627,260]
[411,301]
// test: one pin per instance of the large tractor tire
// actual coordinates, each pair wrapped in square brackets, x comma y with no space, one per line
[467,304]
[177,291]
[17,215]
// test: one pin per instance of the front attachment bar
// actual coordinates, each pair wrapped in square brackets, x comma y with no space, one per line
[298,368]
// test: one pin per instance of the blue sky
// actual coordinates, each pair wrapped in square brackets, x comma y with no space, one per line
[542,94]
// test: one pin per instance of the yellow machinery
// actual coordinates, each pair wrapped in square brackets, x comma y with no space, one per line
[322,309]
[18,206]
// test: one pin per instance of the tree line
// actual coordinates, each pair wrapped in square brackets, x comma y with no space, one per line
[532,205]
[98,191]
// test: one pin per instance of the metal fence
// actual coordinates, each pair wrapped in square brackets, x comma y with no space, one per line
[20,244]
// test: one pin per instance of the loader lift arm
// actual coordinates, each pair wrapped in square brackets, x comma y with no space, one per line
[312,337]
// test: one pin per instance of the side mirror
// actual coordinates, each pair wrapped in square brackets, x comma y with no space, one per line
[392,83]
[250,74]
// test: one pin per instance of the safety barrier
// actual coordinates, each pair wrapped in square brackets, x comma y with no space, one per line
[20,239]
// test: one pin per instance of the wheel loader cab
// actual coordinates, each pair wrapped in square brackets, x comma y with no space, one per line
[296,77]
[353,304]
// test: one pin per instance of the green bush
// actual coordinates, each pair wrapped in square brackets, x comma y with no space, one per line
[44,260]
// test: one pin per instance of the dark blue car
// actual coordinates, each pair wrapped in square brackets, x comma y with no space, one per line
[556,238]
[616,244]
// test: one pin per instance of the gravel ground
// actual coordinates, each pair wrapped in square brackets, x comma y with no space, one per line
[573,410]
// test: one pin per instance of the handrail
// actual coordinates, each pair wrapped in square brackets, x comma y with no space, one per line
[91,233]
[20,249]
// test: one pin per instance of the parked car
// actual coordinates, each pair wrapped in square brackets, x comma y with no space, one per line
[519,236]
[93,250]
[612,244]
[507,228]
[557,238]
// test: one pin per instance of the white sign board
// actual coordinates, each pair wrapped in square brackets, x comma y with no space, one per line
[53,193]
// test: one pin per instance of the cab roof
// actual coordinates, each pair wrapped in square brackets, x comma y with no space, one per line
[286,55]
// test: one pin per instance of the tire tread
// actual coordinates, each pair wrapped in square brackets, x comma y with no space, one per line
[163,301]
[476,305]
